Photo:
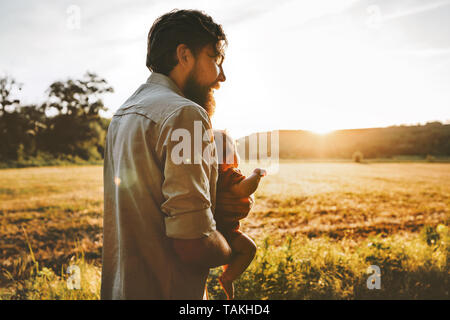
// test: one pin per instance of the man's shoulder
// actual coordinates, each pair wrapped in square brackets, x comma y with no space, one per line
[158,103]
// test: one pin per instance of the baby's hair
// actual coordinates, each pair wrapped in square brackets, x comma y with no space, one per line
[226,148]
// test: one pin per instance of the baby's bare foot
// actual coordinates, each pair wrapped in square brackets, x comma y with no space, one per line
[227,286]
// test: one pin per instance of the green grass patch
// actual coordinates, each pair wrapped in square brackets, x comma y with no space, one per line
[415,268]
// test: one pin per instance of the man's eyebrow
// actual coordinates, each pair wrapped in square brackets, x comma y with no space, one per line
[218,54]
[220,50]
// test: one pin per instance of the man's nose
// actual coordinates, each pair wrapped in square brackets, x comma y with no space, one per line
[222,76]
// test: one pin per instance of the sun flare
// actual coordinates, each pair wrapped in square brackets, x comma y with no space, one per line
[321,131]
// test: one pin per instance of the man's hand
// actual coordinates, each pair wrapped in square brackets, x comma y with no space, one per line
[212,251]
[204,253]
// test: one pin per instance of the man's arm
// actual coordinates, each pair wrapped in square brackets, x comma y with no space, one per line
[189,218]
[207,252]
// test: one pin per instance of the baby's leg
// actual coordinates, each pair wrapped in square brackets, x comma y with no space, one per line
[243,250]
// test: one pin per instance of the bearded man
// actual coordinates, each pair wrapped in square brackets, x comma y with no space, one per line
[160,237]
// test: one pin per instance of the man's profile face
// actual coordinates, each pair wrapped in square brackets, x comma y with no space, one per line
[205,76]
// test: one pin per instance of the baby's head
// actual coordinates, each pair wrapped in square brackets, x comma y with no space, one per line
[227,154]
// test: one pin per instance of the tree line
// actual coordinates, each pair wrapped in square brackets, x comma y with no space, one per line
[429,140]
[66,126]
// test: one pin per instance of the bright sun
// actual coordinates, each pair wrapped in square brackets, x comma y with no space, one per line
[322,131]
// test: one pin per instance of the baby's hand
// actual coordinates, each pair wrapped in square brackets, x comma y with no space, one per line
[260,172]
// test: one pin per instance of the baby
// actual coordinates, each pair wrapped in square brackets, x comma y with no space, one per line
[231,180]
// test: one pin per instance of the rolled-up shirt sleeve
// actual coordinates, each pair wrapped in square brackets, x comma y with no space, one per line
[187,173]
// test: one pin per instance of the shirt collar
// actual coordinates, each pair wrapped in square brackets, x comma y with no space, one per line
[163,80]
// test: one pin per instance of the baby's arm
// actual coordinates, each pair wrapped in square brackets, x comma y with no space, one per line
[249,185]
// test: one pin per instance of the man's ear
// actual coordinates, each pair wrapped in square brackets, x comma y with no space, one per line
[185,57]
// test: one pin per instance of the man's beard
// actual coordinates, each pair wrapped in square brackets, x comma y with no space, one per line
[200,94]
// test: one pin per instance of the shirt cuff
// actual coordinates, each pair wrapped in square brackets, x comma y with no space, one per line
[191,225]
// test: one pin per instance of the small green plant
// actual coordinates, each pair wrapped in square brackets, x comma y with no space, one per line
[430,235]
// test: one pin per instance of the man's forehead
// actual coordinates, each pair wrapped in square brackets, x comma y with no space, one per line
[216,48]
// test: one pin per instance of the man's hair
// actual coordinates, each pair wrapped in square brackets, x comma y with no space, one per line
[193,28]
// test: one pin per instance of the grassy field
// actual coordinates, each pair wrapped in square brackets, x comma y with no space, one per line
[318,226]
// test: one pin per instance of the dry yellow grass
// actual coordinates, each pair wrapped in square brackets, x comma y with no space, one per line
[349,199]
[57,206]
[61,207]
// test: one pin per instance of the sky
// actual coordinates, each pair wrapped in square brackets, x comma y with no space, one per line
[318,65]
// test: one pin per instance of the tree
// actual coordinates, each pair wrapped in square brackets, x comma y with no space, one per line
[78,97]
[76,129]
[10,120]
[8,86]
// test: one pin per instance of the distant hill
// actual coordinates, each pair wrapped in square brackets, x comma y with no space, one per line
[432,138]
